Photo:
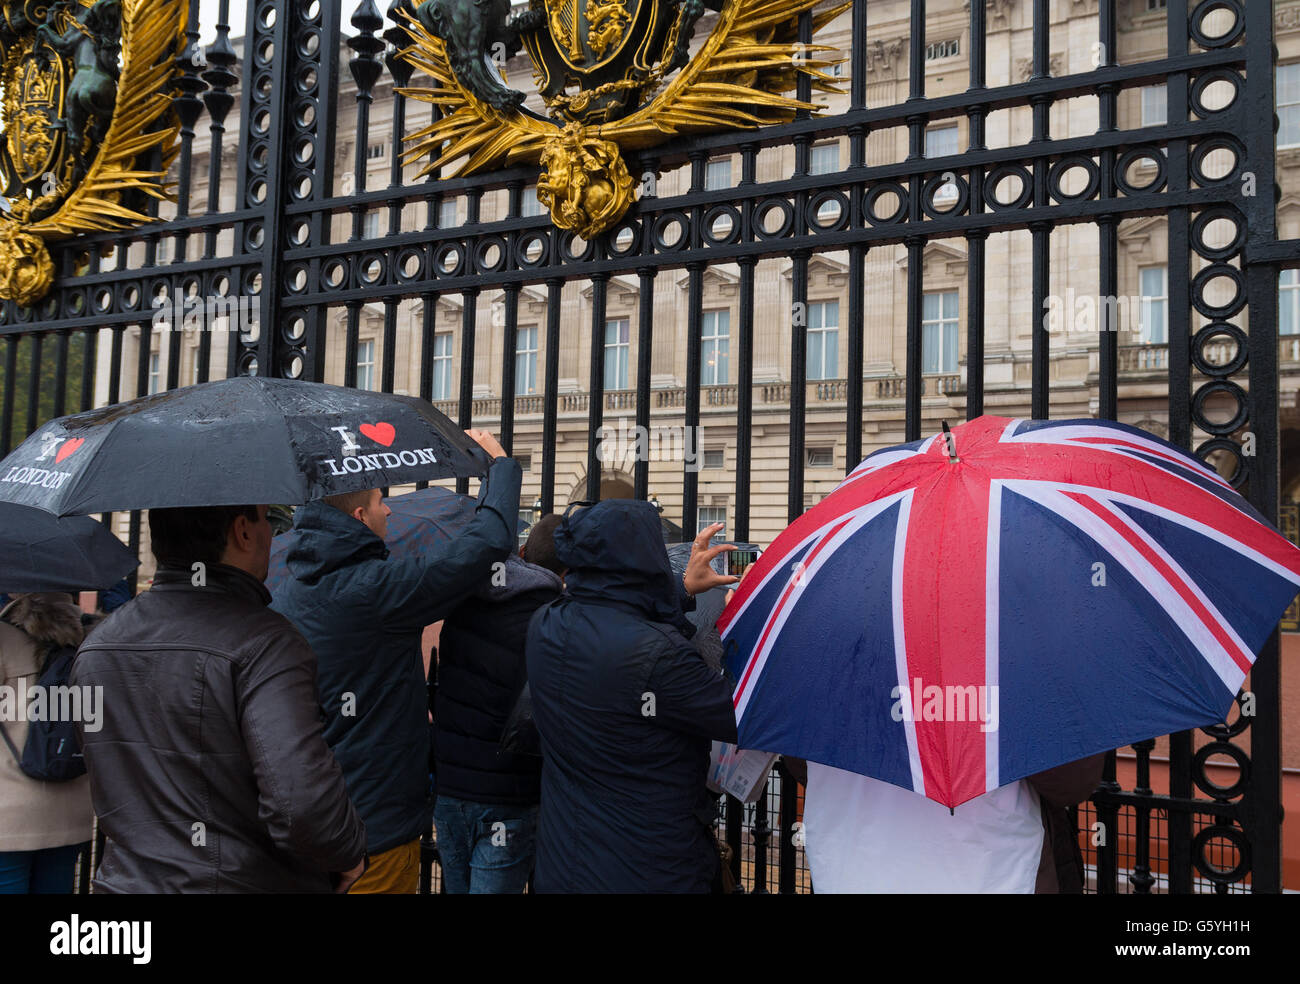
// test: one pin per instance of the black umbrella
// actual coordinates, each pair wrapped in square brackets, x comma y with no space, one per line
[248,439]
[41,552]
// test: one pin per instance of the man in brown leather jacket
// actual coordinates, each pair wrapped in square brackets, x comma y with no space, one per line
[210,772]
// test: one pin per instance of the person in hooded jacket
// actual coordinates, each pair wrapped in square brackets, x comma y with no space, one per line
[627,710]
[488,798]
[43,825]
[364,616]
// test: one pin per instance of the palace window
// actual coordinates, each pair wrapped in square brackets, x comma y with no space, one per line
[526,361]
[1155,304]
[823,340]
[442,366]
[715,343]
[366,364]
[616,349]
[939,331]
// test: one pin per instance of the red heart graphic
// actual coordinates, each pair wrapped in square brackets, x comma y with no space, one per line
[67,447]
[380,433]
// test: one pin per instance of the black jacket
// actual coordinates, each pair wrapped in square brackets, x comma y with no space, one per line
[626,709]
[210,772]
[363,615]
[480,673]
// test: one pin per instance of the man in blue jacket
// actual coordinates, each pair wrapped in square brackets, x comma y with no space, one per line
[626,709]
[363,615]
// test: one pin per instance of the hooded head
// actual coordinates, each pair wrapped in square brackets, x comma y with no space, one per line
[614,552]
[49,617]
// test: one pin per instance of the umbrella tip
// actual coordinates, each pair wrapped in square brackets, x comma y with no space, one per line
[952,811]
[952,444]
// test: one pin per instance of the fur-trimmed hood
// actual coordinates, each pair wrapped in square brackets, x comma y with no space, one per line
[47,618]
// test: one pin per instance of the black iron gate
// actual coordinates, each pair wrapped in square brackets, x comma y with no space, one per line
[298,241]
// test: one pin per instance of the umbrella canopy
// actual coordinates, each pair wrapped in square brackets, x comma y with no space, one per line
[421,521]
[41,552]
[247,439]
[954,618]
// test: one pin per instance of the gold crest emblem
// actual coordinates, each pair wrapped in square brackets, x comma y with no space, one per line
[84,82]
[614,75]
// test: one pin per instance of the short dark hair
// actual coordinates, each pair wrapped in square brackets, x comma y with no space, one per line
[193,533]
[349,502]
[539,548]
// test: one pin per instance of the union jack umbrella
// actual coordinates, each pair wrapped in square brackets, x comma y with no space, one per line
[967,610]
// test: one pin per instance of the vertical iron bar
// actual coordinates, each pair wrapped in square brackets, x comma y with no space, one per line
[1179,337]
[62,338]
[644,355]
[550,403]
[468,330]
[786,859]
[36,340]
[744,401]
[694,334]
[88,340]
[798,383]
[745,355]
[915,298]
[1041,231]
[1107,228]
[975,241]
[596,384]
[11,388]
[510,339]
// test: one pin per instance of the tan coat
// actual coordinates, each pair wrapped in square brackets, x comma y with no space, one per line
[35,814]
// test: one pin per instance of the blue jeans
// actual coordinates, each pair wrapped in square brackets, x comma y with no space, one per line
[45,872]
[485,849]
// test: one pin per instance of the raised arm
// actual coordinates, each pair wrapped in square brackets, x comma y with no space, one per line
[416,593]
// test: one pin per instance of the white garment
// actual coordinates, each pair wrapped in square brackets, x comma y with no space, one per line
[864,835]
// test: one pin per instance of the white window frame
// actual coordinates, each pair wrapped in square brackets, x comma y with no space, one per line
[531,205]
[715,340]
[621,346]
[819,158]
[1288,295]
[1150,102]
[366,364]
[526,360]
[1290,109]
[155,373]
[717,174]
[827,333]
[443,346]
[940,329]
[1148,331]
[708,515]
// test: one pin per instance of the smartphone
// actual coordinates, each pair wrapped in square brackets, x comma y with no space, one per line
[738,561]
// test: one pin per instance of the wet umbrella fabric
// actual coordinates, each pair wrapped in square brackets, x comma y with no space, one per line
[420,523]
[953,618]
[235,441]
[41,552]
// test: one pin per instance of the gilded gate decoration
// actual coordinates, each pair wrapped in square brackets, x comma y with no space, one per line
[87,103]
[615,75]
